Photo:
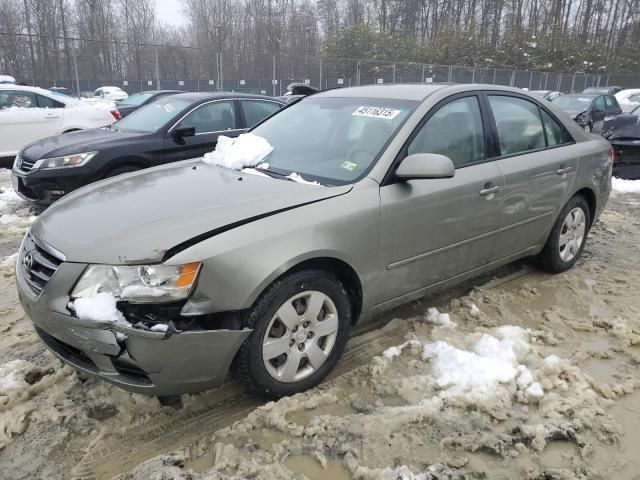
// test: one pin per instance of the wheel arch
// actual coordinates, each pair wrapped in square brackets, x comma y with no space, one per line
[124,161]
[338,267]
[589,195]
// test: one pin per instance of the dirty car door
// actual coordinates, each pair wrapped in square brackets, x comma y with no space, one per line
[435,229]
[539,165]
[210,120]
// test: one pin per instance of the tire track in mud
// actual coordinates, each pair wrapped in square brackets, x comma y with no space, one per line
[117,456]
[120,455]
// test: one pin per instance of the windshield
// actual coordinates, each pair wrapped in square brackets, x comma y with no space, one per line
[333,141]
[151,117]
[135,99]
[571,102]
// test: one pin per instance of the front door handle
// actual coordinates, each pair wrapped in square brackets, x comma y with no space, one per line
[563,170]
[52,115]
[488,190]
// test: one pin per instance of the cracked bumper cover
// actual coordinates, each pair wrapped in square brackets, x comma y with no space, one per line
[137,360]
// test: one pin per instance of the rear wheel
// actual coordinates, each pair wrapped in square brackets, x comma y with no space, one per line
[568,236]
[300,328]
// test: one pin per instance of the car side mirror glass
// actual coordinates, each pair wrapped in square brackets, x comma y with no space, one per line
[425,165]
[183,132]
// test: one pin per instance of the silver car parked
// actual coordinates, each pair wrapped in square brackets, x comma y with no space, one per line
[408,188]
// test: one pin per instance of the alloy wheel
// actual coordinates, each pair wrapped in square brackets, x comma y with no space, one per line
[300,336]
[572,234]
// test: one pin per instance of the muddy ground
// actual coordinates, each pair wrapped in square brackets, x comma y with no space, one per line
[530,376]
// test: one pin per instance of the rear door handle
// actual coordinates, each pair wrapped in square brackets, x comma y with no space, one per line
[563,170]
[51,115]
[489,190]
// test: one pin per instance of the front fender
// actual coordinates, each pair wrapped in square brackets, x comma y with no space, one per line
[239,264]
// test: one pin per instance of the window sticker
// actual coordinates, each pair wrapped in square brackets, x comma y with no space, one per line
[376,112]
[349,166]
[169,107]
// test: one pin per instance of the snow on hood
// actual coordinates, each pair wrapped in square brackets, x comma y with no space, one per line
[247,150]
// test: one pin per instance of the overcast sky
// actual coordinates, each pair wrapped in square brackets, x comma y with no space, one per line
[170,12]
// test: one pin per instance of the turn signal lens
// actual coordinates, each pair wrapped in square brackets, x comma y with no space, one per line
[188,274]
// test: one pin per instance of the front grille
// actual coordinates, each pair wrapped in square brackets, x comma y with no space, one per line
[37,265]
[25,165]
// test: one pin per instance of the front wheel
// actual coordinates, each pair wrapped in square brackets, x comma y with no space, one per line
[588,128]
[568,236]
[300,329]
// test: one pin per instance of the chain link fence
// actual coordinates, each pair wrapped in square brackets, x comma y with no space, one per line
[137,67]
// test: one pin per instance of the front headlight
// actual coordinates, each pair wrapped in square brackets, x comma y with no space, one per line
[138,283]
[75,160]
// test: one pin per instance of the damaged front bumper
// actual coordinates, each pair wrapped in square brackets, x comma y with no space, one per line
[142,361]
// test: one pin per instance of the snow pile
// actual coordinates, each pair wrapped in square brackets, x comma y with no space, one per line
[493,360]
[297,178]
[247,150]
[625,186]
[100,307]
[9,201]
[8,261]
[440,319]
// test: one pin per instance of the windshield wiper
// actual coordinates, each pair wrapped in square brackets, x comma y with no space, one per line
[273,173]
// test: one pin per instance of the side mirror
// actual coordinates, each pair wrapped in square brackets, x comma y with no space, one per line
[183,132]
[425,165]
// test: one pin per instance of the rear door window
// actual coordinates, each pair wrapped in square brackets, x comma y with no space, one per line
[46,102]
[556,133]
[518,124]
[600,104]
[257,110]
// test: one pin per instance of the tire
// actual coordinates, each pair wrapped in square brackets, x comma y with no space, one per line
[568,236]
[588,128]
[121,169]
[288,367]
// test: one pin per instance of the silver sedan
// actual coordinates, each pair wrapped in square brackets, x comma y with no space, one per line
[371,197]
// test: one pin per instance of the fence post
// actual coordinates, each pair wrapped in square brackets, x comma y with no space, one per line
[449,80]
[320,84]
[573,82]
[273,76]
[473,75]
[75,68]
[358,67]
[394,74]
[559,82]
[157,68]
[512,81]
[530,79]
[494,76]
[546,79]
[423,73]
[221,73]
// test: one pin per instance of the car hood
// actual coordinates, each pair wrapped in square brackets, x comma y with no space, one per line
[138,217]
[75,142]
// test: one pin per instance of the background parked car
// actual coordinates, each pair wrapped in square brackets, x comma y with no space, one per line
[30,113]
[136,100]
[110,93]
[628,99]
[546,94]
[588,109]
[623,133]
[172,128]
[602,90]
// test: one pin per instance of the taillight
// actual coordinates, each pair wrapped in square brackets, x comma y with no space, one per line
[116,114]
[612,156]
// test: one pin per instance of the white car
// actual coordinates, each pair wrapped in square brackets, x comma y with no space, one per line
[628,99]
[110,93]
[28,114]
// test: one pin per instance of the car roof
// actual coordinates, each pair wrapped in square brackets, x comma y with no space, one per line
[195,96]
[411,91]
[153,92]
[590,95]
[26,88]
